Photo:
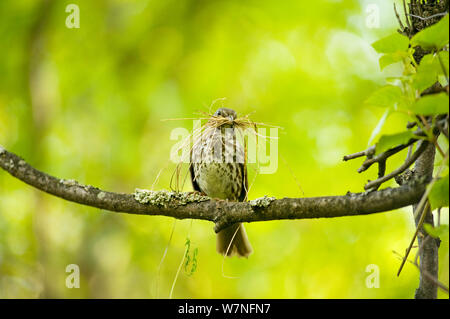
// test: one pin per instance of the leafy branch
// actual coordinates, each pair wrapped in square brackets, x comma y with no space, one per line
[420,92]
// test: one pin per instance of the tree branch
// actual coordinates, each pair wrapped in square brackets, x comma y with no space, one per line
[409,161]
[368,153]
[429,262]
[441,124]
[222,213]
[424,165]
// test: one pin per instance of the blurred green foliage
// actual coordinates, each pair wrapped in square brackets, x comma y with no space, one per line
[87,104]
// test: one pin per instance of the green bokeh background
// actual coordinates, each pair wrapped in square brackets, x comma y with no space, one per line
[88,104]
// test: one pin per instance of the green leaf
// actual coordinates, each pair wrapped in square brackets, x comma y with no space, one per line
[388,96]
[392,43]
[444,56]
[427,72]
[436,232]
[432,104]
[387,142]
[433,37]
[438,196]
[391,58]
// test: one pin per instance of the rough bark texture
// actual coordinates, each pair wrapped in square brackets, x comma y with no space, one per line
[222,213]
[428,246]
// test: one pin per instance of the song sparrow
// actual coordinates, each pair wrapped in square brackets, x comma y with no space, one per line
[218,170]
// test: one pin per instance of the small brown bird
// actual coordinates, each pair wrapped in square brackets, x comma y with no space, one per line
[218,170]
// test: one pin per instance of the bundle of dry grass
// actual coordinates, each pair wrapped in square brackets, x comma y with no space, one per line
[243,125]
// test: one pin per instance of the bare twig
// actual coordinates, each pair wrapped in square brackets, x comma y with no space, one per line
[420,132]
[438,147]
[423,211]
[408,162]
[402,27]
[441,14]
[427,274]
[383,156]
[410,30]
[368,152]
[381,169]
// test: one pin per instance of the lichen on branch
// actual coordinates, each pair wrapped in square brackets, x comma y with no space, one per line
[166,198]
[223,213]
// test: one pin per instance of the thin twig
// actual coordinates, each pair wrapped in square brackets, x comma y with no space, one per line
[428,275]
[419,225]
[368,152]
[408,162]
[406,18]
[438,147]
[398,19]
[383,156]
[441,14]
[381,172]
[421,208]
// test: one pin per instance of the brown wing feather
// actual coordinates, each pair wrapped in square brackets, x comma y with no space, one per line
[244,190]
[194,182]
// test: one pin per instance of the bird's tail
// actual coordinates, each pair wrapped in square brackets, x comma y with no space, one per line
[233,240]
